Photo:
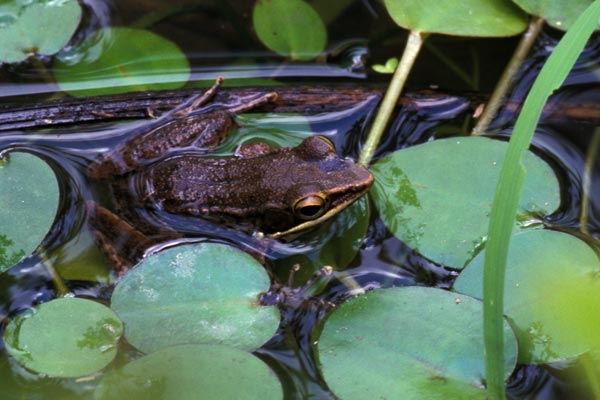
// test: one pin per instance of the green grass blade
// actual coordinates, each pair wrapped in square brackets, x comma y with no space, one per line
[506,199]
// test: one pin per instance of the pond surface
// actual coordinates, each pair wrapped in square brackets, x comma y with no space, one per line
[217,39]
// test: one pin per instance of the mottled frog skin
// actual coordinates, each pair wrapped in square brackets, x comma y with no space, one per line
[165,168]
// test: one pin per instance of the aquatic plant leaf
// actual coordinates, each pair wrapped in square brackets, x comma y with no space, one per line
[291,28]
[120,60]
[388,68]
[66,337]
[30,28]
[374,346]
[560,14]
[462,18]
[540,265]
[436,197]
[29,194]
[198,293]
[191,372]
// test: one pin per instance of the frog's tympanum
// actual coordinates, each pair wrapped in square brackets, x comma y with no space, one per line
[165,168]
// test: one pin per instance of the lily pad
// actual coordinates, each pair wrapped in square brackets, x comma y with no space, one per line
[462,18]
[120,60]
[559,13]
[29,193]
[436,197]
[36,27]
[408,343]
[199,293]
[544,266]
[192,372]
[291,28]
[67,337]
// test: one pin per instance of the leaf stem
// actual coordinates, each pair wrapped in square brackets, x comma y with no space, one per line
[506,80]
[413,46]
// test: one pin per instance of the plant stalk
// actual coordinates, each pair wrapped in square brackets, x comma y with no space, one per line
[413,46]
[506,198]
[506,80]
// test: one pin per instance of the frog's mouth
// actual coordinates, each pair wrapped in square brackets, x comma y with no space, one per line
[332,211]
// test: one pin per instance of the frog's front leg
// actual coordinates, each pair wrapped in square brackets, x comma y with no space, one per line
[184,126]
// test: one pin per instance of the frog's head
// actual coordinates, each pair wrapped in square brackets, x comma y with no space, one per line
[321,184]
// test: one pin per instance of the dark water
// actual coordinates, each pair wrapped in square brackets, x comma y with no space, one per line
[382,260]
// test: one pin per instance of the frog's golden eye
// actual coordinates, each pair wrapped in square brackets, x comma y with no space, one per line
[311,207]
[328,141]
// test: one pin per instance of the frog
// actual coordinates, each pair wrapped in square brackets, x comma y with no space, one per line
[165,168]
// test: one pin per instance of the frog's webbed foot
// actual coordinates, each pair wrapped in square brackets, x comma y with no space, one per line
[120,242]
[185,126]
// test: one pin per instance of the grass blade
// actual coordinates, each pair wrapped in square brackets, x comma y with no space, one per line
[506,199]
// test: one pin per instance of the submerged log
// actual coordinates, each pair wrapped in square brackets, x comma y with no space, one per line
[294,99]
[307,100]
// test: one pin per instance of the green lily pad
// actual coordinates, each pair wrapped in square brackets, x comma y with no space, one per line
[29,193]
[192,372]
[199,293]
[408,343]
[462,18]
[291,28]
[36,27]
[559,13]
[436,197]
[65,337]
[120,60]
[541,265]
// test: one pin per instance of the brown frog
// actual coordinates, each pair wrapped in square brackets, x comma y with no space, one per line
[165,168]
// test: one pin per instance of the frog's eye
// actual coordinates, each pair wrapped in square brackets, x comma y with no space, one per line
[311,207]
[327,141]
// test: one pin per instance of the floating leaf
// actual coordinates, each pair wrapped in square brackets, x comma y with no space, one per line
[200,293]
[28,28]
[388,68]
[541,264]
[559,13]
[437,196]
[405,343]
[192,372]
[29,193]
[462,18]
[289,28]
[64,338]
[120,60]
